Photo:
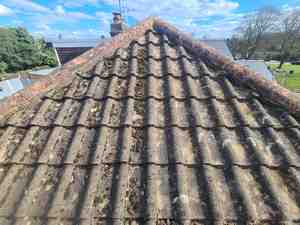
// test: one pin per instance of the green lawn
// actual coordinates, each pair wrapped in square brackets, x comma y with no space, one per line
[292,81]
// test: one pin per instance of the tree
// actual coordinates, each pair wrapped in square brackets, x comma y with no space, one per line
[290,34]
[20,51]
[253,29]
[234,44]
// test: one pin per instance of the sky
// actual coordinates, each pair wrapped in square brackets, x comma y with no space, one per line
[214,19]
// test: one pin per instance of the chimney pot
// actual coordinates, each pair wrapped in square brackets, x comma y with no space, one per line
[118,25]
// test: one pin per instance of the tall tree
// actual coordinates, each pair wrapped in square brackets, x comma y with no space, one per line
[254,27]
[290,32]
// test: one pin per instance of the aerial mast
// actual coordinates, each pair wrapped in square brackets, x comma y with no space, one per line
[122,7]
[119,22]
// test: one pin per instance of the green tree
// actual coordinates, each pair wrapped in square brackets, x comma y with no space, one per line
[20,51]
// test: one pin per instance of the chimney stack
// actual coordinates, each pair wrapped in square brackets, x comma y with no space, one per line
[118,25]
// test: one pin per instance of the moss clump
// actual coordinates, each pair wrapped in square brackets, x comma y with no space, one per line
[141,56]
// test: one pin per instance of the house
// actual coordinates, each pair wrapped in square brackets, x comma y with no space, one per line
[152,127]
[68,49]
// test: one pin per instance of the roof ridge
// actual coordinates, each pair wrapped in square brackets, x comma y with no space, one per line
[62,77]
[269,90]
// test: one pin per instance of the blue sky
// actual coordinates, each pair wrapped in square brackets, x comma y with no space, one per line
[91,18]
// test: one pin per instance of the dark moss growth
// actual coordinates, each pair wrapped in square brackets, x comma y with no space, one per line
[123,68]
[138,136]
[81,87]
[114,114]
[51,111]
[57,93]
[121,87]
[108,65]
[141,62]
[132,195]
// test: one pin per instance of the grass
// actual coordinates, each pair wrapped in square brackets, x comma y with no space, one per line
[283,77]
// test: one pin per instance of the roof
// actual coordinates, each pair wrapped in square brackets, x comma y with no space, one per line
[65,55]
[75,43]
[11,86]
[258,66]
[220,45]
[150,128]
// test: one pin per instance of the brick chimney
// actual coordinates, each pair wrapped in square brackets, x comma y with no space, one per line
[118,24]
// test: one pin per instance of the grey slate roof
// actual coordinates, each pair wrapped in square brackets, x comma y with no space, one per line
[74,43]
[221,47]
[151,135]
[258,66]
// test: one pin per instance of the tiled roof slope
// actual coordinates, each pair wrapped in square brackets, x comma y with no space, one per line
[154,134]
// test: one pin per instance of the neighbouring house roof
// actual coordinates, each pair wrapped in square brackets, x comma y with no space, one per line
[153,127]
[68,49]
[221,47]
[74,43]
[258,66]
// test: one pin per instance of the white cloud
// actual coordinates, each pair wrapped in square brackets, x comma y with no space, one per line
[46,14]
[59,10]
[213,18]
[218,29]
[79,16]
[57,15]
[27,5]
[17,22]
[5,11]
[221,7]
[185,14]
[178,8]
[43,27]
[78,3]
[70,34]
[105,18]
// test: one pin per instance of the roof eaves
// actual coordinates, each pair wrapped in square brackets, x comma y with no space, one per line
[62,77]
[267,89]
